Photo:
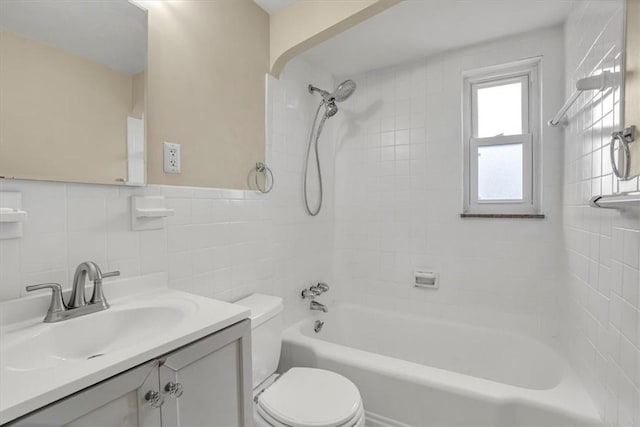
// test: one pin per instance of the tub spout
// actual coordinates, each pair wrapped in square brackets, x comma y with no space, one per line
[315,305]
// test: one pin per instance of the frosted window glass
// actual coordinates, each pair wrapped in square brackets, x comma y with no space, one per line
[500,110]
[500,172]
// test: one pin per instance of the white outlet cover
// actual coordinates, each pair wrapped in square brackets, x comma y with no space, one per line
[171,157]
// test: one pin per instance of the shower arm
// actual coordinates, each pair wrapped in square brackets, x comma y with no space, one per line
[325,95]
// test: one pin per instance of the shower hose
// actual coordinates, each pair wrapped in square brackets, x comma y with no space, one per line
[314,136]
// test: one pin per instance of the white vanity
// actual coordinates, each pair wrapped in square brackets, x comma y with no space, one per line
[156,357]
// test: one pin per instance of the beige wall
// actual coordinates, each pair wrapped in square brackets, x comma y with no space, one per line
[62,118]
[304,24]
[206,81]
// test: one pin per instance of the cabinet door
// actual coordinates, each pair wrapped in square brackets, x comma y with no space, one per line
[211,380]
[119,401]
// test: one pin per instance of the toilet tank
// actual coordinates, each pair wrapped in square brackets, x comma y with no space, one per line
[266,334]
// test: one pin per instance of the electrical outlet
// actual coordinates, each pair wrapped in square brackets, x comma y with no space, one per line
[171,157]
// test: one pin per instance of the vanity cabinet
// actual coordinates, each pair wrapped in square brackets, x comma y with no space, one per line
[205,383]
[211,381]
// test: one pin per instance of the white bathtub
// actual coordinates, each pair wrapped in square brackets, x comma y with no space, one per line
[422,372]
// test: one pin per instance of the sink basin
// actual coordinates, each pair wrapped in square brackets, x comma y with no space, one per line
[88,337]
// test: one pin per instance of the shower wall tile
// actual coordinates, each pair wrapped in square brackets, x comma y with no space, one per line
[601,301]
[398,197]
[220,243]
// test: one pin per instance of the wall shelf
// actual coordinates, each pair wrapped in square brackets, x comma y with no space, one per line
[618,201]
[598,82]
[153,213]
[149,212]
[12,215]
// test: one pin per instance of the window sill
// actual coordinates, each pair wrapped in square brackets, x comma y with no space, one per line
[503,216]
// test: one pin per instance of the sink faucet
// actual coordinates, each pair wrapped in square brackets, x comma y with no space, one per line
[78,305]
[315,305]
[91,269]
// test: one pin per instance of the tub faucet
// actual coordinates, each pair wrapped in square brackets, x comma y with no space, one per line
[315,305]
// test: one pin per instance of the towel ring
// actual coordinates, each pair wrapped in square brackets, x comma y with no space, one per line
[268,176]
[624,137]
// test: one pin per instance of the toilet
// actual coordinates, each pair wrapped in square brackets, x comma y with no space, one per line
[300,397]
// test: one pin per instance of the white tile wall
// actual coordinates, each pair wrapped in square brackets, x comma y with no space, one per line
[399,197]
[220,243]
[602,328]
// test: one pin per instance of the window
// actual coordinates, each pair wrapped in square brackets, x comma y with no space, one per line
[501,139]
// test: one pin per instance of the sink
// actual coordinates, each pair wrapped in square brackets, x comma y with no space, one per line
[41,363]
[84,338]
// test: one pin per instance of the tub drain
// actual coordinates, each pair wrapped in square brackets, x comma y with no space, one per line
[318,326]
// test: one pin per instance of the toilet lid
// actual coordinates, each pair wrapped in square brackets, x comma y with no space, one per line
[304,397]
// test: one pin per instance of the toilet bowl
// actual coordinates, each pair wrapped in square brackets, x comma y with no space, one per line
[300,397]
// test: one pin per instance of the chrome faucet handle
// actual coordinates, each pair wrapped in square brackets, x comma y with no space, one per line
[323,286]
[308,294]
[110,274]
[316,290]
[57,305]
[98,294]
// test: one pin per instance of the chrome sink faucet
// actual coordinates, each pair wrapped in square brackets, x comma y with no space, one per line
[91,269]
[78,305]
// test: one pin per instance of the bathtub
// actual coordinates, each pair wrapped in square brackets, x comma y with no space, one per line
[418,371]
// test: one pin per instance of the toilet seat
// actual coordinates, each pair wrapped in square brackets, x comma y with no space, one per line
[307,397]
[356,421]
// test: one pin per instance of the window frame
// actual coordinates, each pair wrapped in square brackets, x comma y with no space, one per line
[528,72]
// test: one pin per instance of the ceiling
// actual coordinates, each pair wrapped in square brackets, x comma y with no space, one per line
[272,6]
[112,33]
[420,28]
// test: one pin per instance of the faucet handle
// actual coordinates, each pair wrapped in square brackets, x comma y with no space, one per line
[315,290]
[111,274]
[53,286]
[57,305]
[98,294]
[308,293]
[319,289]
[323,286]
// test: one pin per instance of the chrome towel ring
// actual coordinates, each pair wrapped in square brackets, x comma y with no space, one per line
[261,168]
[623,137]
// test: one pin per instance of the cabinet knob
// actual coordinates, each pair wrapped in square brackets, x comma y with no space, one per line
[174,390]
[154,399]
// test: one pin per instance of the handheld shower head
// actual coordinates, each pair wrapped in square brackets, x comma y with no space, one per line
[331,109]
[342,92]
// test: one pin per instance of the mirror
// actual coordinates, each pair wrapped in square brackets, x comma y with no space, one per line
[73,91]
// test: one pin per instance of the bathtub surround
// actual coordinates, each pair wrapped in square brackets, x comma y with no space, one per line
[602,296]
[399,197]
[220,243]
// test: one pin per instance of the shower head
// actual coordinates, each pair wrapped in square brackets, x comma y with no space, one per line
[331,109]
[342,92]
